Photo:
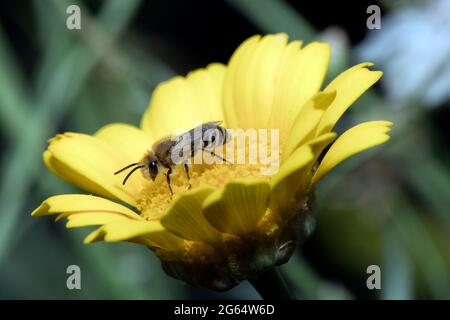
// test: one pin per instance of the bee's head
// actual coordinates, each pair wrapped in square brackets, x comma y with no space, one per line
[151,166]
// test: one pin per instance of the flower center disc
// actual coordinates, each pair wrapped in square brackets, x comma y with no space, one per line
[155,196]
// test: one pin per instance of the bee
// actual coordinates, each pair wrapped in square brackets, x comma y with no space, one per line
[171,151]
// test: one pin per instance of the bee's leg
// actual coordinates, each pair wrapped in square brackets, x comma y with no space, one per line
[186,168]
[169,172]
[216,155]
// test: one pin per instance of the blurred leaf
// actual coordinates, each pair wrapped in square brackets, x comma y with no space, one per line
[421,247]
[54,42]
[14,99]
[301,277]
[396,268]
[432,181]
[273,16]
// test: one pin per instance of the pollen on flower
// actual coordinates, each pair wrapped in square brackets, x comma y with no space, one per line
[155,196]
[269,223]
[197,252]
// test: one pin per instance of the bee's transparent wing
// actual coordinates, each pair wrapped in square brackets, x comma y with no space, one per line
[206,136]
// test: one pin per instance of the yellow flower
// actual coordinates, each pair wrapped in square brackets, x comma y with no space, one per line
[235,222]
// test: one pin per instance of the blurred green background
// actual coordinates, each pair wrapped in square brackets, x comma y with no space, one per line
[388,206]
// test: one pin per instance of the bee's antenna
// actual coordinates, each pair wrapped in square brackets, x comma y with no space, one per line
[125,168]
[130,173]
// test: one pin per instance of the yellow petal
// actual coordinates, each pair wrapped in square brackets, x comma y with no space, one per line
[253,81]
[90,163]
[182,103]
[124,230]
[292,178]
[354,140]
[301,75]
[72,203]
[84,219]
[185,217]
[306,121]
[84,210]
[268,81]
[233,96]
[349,86]
[150,233]
[288,178]
[319,143]
[130,141]
[238,207]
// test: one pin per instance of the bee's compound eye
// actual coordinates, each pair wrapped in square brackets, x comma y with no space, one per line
[153,169]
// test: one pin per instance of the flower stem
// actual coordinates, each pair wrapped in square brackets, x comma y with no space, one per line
[271,286]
